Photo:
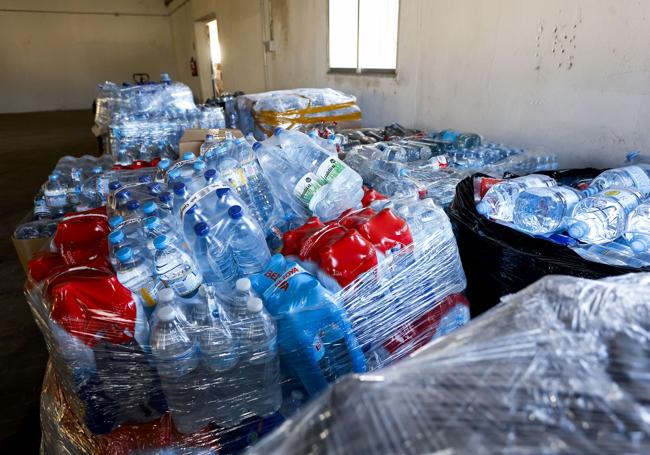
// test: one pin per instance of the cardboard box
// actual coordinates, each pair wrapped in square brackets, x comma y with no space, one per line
[26,248]
[193,138]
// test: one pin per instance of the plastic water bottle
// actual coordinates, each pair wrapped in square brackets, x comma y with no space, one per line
[329,144]
[94,188]
[237,305]
[602,218]
[637,231]
[200,250]
[219,353]
[135,273]
[132,228]
[544,210]
[166,201]
[637,177]
[150,208]
[177,360]
[181,194]
[117,240]
[176,268]
[154,227]
[56,193]
[260,371]
[247,242]
[207,144]
[499,201]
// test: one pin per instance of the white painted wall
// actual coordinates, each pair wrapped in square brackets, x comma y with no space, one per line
[240,34]
[497,67]
[54,52]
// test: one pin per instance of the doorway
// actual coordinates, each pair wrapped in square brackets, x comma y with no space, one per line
[208,50]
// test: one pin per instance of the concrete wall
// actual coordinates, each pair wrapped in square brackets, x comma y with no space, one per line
[570,75]
[54,52]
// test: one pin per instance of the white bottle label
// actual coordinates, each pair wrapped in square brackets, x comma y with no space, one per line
[628,199]
[307,187]
[641,179]
[129,222]
[330,169]
[187,283]
[178,164]
[196,197]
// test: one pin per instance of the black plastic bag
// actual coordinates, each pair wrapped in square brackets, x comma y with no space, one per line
[499,260]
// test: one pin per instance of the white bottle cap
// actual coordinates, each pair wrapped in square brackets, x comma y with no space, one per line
[243,285]
[254,304]
[167,313]
[165,295]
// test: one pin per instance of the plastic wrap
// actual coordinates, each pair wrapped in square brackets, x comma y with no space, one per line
[499,260]
[109,387]
[558,368]
[260,113]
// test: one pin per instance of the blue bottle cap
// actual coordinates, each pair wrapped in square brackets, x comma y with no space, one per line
[221,192]
[215,314]
[164,164]
[149,207]
[240,140]
[165,197]
[199,165]
[403,172]
[124,254]
[151,222]
[257,145]
[578,229]
[144,179]
[235,212]
[209,137]
[210,174]
[114,185]
[124,194]
[133,205]
[188,155]
[53,177]
[154,188]
[116,236]
[278,130]
[115,221]
[97,170]
[179,188]
[201,229]
[312,133]
[174,173]
[161,242]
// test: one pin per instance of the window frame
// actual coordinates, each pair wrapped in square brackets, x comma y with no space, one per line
[386,72]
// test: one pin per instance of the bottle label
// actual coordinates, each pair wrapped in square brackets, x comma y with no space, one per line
[186,283]
[129,222]
[282,283]
[319,347]
[628,199]
[307,187]
[250,169]
[41,208]
[330,169]
[640,178]
[196,197]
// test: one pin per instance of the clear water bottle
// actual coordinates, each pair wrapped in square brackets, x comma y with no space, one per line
[207,144]
[117,240]
[176,268]
[219,351]
[94,188]
[200,250]
[150,208]
[601,218]
[55,193]
[238,304]
[637,231]
[41,209]
[247,242]
[177,360]
[499,201]
[135,273]
[260,371]
[637,177]
[544,210]
[154,227]
[166,201]
[329,144]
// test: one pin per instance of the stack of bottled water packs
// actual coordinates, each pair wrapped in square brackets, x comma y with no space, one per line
[606,221]
[431,165]
[219,332]
[146,121]
[73,186]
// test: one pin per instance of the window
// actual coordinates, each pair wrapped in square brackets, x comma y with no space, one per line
[363,35]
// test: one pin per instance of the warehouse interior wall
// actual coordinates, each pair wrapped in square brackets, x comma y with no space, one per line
[54,52]
[240,34]
[570,75]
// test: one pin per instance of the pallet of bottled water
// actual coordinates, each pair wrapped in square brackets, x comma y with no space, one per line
[433,164]
[178,310]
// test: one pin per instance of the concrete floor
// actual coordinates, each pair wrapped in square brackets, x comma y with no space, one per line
[30,145]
